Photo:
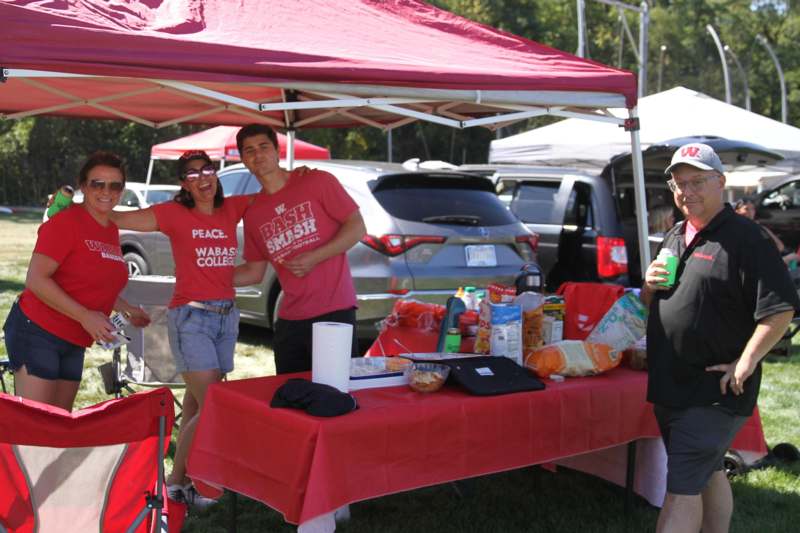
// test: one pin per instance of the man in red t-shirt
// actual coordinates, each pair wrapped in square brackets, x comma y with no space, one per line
[303,223]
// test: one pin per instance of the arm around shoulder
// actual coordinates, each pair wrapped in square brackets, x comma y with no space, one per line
[138,220]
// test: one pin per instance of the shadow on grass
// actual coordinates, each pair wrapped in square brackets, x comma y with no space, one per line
[524,500]
[775,489]
[24,217]
[7,285]
[529,499]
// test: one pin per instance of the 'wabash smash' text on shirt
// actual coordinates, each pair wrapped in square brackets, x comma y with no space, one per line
[204,248]
[305,214]
[90,270]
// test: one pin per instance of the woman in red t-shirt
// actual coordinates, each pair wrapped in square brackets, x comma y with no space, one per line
[203,322]
[74,279]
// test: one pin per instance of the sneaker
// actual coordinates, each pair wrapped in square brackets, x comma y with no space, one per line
[194,499]
[208,490]
[188,495]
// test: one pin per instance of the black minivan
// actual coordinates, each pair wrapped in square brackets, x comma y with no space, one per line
[573,212]
[586,220]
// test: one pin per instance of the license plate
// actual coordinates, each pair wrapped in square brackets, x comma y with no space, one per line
[480,255]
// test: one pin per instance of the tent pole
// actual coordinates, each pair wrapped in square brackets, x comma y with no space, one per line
[639,190]
[290,148]
[149,175]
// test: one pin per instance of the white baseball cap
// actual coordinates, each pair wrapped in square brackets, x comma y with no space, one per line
[698,155]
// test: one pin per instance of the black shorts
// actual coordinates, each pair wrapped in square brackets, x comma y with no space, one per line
[43,354]
[696,440]
[292,341]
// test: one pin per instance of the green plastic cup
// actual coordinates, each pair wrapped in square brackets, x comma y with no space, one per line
[670,261]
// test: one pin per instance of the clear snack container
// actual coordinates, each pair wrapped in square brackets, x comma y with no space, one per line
[426,377]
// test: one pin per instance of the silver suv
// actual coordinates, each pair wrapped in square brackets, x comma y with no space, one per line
[428,232]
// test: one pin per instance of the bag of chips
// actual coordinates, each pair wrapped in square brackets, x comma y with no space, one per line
[501,294]
[484,335]
[572,358]
[532,304]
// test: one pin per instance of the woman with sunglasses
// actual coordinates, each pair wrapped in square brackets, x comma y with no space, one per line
[74,279]
[203,323]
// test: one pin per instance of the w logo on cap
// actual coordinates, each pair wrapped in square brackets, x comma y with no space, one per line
[690,151]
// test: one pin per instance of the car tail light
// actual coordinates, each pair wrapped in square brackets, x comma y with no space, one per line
[612,258]
[532,240]
[393,245]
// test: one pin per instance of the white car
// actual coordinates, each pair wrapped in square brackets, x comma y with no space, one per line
[134,197]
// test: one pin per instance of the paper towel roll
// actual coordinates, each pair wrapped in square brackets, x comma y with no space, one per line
[331,345]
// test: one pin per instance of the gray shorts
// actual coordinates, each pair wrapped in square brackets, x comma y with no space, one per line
[696,440]
[203,340]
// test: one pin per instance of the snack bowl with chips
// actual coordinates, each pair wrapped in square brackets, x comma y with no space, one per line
[426,377]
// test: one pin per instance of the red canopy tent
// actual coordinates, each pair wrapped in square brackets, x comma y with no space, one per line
[293,64]
[220,144]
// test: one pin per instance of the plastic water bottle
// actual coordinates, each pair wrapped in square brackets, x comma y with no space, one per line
[470,298]
[670,261]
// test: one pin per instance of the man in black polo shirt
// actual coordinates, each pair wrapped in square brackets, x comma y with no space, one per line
[731,302]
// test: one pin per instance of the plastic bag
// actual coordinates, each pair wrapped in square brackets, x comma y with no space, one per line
[572,358]
[507,332]
[586,304]
[415,314]
[623,324]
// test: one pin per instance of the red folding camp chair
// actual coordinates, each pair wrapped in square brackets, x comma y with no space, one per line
[98,469]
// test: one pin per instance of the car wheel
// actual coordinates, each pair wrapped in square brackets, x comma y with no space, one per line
[136,264]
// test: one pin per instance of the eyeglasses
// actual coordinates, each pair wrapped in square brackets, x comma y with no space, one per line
[194,174]
[113,186]
[693,185]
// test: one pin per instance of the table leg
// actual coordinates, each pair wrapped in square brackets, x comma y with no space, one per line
[630,475]
[232,511]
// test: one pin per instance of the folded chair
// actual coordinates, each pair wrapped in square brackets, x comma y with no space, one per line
[98,469]
[147,359]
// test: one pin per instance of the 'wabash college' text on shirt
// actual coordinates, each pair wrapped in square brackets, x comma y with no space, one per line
[204,248]
[305,214]
[90,270]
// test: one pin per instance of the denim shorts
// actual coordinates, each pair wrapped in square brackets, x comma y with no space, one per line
[43,354]
[201,339]
[696,439]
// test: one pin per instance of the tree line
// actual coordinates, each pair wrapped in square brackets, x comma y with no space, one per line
[38,154]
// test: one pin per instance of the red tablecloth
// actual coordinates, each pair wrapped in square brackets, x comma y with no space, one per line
[398,440]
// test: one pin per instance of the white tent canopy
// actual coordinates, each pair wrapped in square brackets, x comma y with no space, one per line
[670,114]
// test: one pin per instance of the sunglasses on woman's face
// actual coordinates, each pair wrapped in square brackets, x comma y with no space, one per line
[113,186]
[194,173]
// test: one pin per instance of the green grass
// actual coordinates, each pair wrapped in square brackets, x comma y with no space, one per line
[530,499]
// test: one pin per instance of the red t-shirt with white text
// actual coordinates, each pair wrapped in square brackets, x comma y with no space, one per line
[90,270]
[204,248]
[305,214]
